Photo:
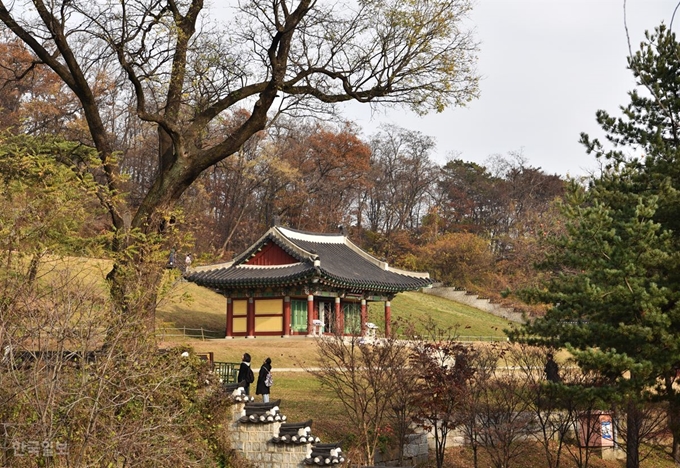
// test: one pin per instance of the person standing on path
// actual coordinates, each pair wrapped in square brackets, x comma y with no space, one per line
[245,373]
[264,380]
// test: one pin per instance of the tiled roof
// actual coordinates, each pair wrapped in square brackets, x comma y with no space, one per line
[243,276]
[329,259]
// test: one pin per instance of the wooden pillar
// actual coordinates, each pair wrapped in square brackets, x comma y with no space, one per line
[388,319]
[250,318]
[339,319]
[364,317]
[310,314]
[229,333]
[286,316]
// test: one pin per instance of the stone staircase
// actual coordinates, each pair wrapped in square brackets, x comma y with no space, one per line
[263,437]
[473,300]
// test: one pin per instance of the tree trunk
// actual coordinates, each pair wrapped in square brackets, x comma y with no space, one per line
[402,430]
[673,416]
[134,280]
[633,426]
[440,442]
[166,153]
[674,424]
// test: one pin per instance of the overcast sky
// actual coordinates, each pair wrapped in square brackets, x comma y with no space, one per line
[546,67]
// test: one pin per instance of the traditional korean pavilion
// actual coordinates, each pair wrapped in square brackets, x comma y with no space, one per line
[299,283]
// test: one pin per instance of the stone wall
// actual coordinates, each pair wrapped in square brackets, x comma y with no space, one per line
[253,442]
[416,448]
[416,451]
[475,301]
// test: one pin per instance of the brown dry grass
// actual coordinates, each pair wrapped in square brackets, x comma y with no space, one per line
[533,457]
[293,353]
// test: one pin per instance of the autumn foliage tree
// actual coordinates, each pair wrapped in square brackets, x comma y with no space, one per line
[458,259]
[329,170]
[32,97]
[443,368]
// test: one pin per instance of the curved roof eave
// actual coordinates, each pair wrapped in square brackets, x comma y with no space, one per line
[223,284]
[368,285]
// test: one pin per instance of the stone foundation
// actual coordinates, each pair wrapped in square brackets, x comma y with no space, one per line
[253,441]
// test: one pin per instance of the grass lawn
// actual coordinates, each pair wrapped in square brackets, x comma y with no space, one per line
[193,307]
[417,308]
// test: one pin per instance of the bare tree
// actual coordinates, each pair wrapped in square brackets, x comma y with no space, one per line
[650,431]
[404,408]
[366,380]
[553,420]
[404,177]
[582,398]
[506,420]
[183,74]
[484,361]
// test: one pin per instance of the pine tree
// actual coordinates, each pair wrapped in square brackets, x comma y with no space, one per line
[613,294]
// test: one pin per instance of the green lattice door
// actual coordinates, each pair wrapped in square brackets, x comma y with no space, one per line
[352,313]
[298,315]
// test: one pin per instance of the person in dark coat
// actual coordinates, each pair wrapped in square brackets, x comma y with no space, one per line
[245,373]
[551,370]
[262,387]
